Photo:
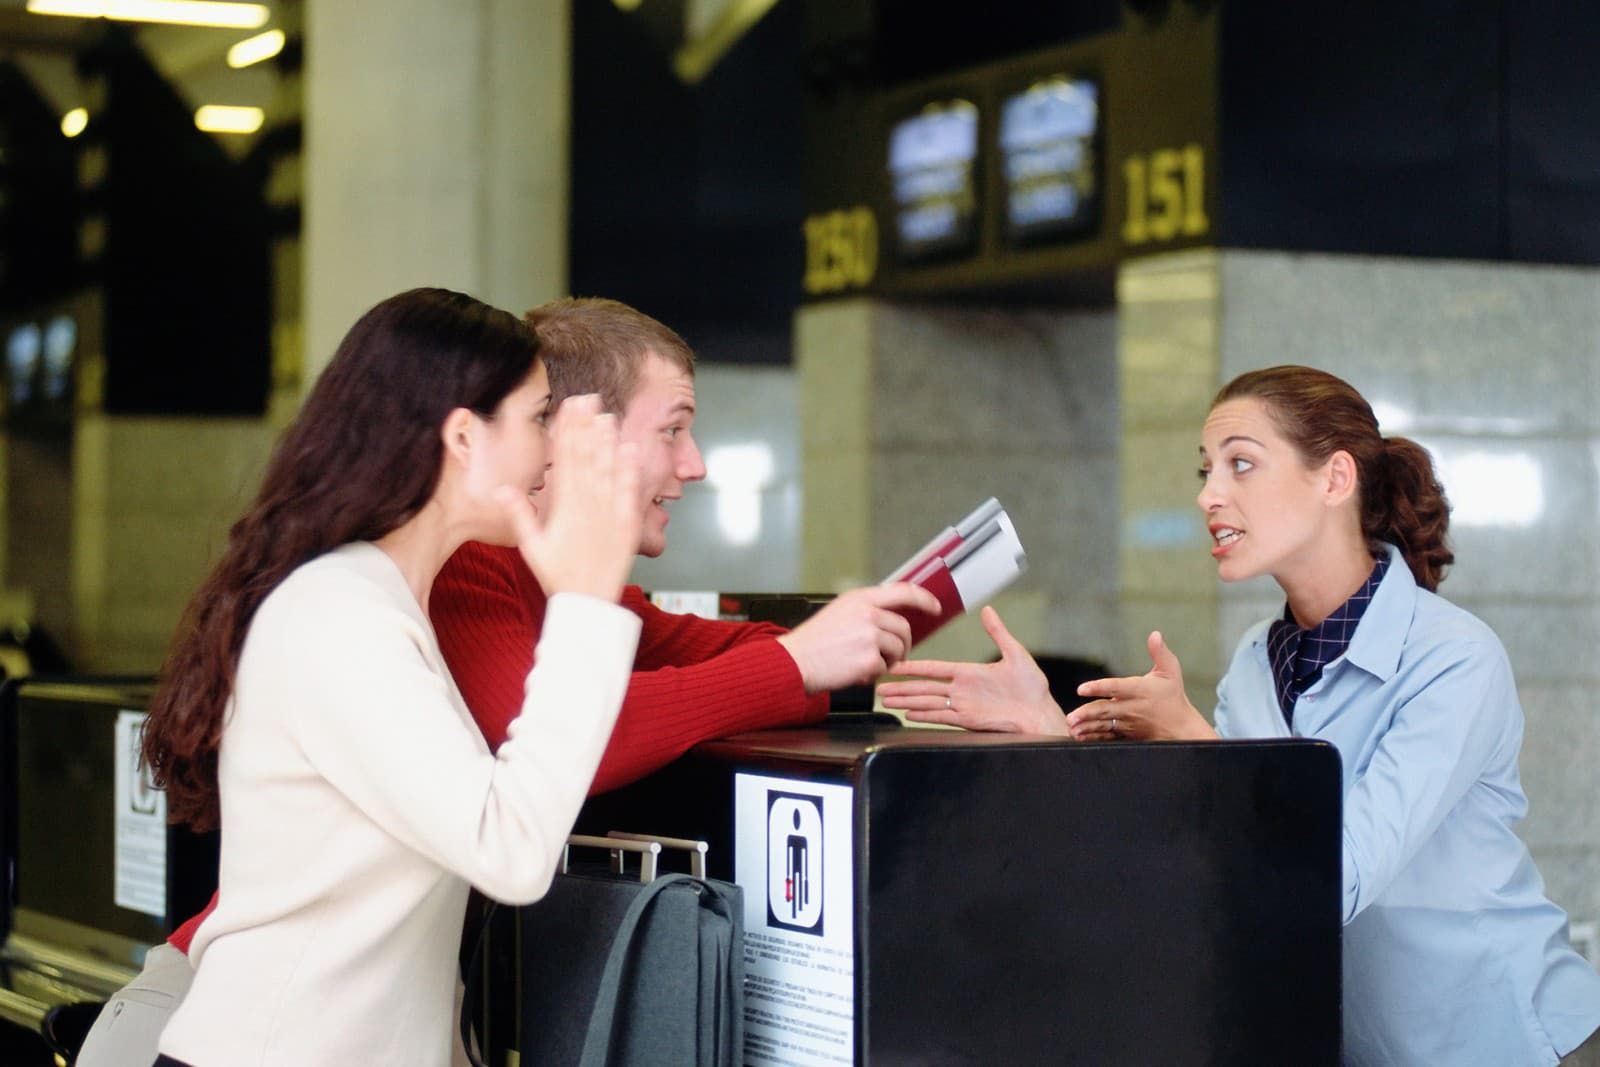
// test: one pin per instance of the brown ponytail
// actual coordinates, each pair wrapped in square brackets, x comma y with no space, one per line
[1410,510]
[1402,502]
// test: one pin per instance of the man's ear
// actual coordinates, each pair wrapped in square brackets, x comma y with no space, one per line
[457,434]
[1340,471]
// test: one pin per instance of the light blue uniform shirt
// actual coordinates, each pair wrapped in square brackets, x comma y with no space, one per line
[1452,953]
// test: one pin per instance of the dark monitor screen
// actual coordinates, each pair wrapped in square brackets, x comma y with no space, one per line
[933,159]
[1048,147]
[91,868]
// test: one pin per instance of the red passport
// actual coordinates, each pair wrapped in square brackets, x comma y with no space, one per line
[964,565]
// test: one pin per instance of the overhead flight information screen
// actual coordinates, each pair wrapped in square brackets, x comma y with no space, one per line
[1049,136]
[933,158]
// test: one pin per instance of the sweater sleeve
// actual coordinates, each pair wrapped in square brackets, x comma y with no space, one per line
[487,613]
[694,679]
[184,934]
[378,723]
[698,679]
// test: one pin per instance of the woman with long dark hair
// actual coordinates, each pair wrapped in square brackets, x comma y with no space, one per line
[1452,952]
[306,708]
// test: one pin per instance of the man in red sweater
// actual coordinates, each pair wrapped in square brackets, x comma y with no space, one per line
[694,679]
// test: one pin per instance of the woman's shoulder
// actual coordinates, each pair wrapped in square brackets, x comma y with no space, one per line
[1440,622]
[1404,607]
[1447,639]
[336,589]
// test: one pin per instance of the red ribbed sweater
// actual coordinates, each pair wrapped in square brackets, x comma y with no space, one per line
[694,679]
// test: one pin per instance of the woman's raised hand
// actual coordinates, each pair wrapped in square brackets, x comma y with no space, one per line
[1151,707]
[1010,695]
[585,533]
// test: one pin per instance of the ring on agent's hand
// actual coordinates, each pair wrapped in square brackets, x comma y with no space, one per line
[1113,725]
[947,702]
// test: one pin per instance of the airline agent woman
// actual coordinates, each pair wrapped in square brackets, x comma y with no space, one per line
[1452,953]
[306,705]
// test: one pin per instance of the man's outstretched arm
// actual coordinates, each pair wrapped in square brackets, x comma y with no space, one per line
[697,679]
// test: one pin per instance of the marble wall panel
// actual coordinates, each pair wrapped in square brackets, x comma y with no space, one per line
[942,407]
[833,365]
[1572,879]
[153,500]
[980,380]
[1540,636]
[1560,750]
[1439,341]
[1063,506]
[1521,515]
[836,532]
[1087,626]
[833,346]
[1168,317]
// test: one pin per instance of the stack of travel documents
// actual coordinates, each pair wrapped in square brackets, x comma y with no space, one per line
[964,565]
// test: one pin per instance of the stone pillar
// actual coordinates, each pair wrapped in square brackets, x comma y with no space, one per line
[153,499]
[911,415]
[1167,314]
[435,154]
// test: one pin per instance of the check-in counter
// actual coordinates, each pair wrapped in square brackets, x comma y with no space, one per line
[92,873]
[936,897]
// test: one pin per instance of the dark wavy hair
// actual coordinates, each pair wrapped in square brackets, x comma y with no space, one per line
[362,456]
[1402,501]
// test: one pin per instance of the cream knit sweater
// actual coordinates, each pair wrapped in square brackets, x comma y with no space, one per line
[358,802]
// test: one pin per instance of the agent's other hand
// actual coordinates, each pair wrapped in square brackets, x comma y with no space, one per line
[855,637]
[583,536]
[1010,695]
[1151,707]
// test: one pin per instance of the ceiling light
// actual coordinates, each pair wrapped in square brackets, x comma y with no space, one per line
[180,12]
[255,49]
[217,118]
[75,121]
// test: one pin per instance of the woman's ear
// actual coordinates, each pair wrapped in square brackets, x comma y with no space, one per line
[457,434]
[1341,478]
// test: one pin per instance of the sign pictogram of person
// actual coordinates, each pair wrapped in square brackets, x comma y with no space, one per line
[143,797]
[794,862]
[797,887]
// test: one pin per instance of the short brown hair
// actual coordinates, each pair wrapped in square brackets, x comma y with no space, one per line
[593,345]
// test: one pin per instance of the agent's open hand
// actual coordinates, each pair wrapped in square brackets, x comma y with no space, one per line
[583,537]
[855,637]
[1011,695]
[1151,707]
